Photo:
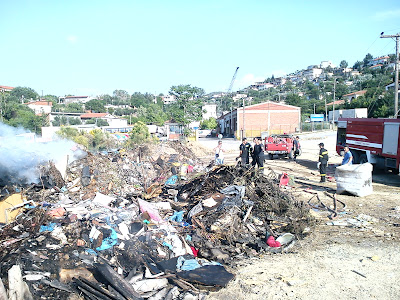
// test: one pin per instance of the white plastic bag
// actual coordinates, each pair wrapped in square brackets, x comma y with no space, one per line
[354,179]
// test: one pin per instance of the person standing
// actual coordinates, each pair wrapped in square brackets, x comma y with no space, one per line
[258,154]
[245,150]
[253,158]
[296,147]
[219,154]
[323,161]
[348,156]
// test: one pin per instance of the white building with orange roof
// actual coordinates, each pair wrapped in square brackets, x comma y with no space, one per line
[350,97]
[4,88]
[111,120]
[40,107]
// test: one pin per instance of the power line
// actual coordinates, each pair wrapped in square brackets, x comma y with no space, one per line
[396,77]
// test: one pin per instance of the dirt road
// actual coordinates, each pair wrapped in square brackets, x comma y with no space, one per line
[358,261]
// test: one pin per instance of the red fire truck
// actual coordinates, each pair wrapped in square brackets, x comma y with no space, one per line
[376,141]
[279,144]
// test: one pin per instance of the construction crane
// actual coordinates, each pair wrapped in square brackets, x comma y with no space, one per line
[232,81]
[224,100]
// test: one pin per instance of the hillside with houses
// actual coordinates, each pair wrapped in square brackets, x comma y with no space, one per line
[317,89]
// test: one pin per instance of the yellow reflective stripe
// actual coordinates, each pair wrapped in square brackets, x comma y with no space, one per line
[323,174]
[321,156]
[325,152]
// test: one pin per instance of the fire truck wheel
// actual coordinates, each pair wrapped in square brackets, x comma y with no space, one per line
[291,154]
[356,157]
[270,156]
[363,158]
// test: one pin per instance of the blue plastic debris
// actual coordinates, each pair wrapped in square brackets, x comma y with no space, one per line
[172,180]
[183,264]
[177,216]
[109,241]
[49,227]
[168,245]
[90,251]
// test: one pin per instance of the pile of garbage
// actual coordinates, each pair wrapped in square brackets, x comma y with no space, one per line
[123,225]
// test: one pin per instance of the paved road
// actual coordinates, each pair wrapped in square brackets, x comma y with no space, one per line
[309,142]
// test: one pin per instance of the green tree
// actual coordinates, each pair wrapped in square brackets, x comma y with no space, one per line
[106,98]
[288,86]
[294,99]
[139,99]
[74,108]
[20,115]
[51,98]
[68,132]
[121,95]
[95,105]
[367,59]
[100,140]
[341,89]
[99,122]
[343,64]
[312,90]
[188,105]
[102,122]
[152,114]
[24,94]
[329,69]
[73,134]
[210,123]
[74,121]
[357,65]
[139,134]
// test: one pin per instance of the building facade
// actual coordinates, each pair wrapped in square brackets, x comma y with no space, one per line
[40,107]
[254,120]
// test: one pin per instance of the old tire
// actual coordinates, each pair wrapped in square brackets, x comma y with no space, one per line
[356,157]
[291,154]
[363,158]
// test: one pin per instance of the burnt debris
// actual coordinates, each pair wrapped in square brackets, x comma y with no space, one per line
[141,224]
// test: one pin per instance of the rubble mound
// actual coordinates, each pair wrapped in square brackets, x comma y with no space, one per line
[143,224]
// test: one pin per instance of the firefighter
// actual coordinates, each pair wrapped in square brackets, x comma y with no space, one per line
[297,147]
[245,151]
[323,161]
[258,153]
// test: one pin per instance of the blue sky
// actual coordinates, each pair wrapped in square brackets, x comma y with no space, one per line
[94,47]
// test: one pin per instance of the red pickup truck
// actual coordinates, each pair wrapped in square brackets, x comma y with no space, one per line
[279,144]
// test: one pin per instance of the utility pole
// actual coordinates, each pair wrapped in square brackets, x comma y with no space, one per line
[244,130]
[334,92]
[396,76]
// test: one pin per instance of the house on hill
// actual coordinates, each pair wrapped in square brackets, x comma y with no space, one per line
[75,99]
[4,88]
[270,117]
[377,66]
[40,107]
[337,102]
[350,97]
[111,120]
[383,60]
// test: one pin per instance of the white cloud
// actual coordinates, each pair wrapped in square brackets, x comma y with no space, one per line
[385,15]
[247,80]
[73,39]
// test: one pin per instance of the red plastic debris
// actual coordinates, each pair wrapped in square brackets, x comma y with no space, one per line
[272,243]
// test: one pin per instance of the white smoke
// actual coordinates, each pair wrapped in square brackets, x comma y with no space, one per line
[21,154]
